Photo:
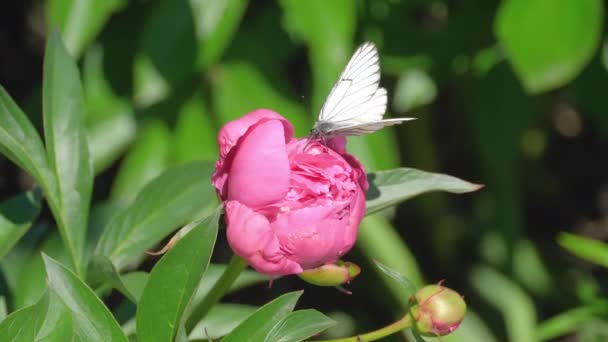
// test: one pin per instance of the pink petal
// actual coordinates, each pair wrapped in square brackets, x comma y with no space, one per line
[230,134]
[251,237]
[312,236]
[259,174]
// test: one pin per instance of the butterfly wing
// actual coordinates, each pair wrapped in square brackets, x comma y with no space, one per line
[368,127]
[350,100]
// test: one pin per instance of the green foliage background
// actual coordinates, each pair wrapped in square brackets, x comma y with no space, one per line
[510,94]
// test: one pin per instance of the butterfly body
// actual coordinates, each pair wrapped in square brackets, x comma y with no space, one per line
[356,104]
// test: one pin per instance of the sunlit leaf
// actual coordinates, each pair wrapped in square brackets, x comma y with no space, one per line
[147,159]
[20,142]
[173,281]
[170,200]
[58,322]
[103,270]
[571,320]
[298,326]
[259,324]
[548,42]
[586,248]
[24,324]
[516,307]
[91,316]
[215,24]
[67,149]
[393,186]
[221,320]
[81,21]
[400,278]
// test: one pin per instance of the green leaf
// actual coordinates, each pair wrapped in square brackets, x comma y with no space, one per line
[213,274]
[195,133]
[400,278]
[328,28]
[548,42]
[67,148]
[135,282]
[111,124]
[221,320]
[147,159]
[254,90]
[173,281]
[299,325]
[387,188]
[20,142]
[472,328]
[258,325]
[571,320]
[415,88]
[585,248]
[215,24]
[379,240]
[31,283]
[103,270]
[81,21]
[3,308]
[516,307]
[58,323]
[169,40]
[171,200]
[91,316]
[24,324]
[17,214]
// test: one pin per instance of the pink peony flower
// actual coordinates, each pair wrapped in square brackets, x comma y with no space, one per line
[291,204]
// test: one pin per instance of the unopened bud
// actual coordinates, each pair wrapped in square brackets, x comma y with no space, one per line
[331,274]
[438,310]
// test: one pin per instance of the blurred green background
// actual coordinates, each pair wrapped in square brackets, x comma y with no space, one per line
[510,94]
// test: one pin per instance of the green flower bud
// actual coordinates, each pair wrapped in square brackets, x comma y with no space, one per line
[438,310]
[331,274]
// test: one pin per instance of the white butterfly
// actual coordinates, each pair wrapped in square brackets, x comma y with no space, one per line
[356,103]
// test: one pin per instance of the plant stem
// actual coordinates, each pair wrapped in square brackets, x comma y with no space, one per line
[392,328]
[232,271]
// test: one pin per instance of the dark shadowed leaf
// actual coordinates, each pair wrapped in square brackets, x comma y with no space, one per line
[173,281]
[67,149]
[172,199]
[299,325]
[169,39]
[258,325]
[16,216]
[93,319]
[390,187]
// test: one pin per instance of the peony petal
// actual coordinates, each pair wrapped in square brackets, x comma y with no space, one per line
[250,236]
[313,236]
[230,134]
[259,174]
